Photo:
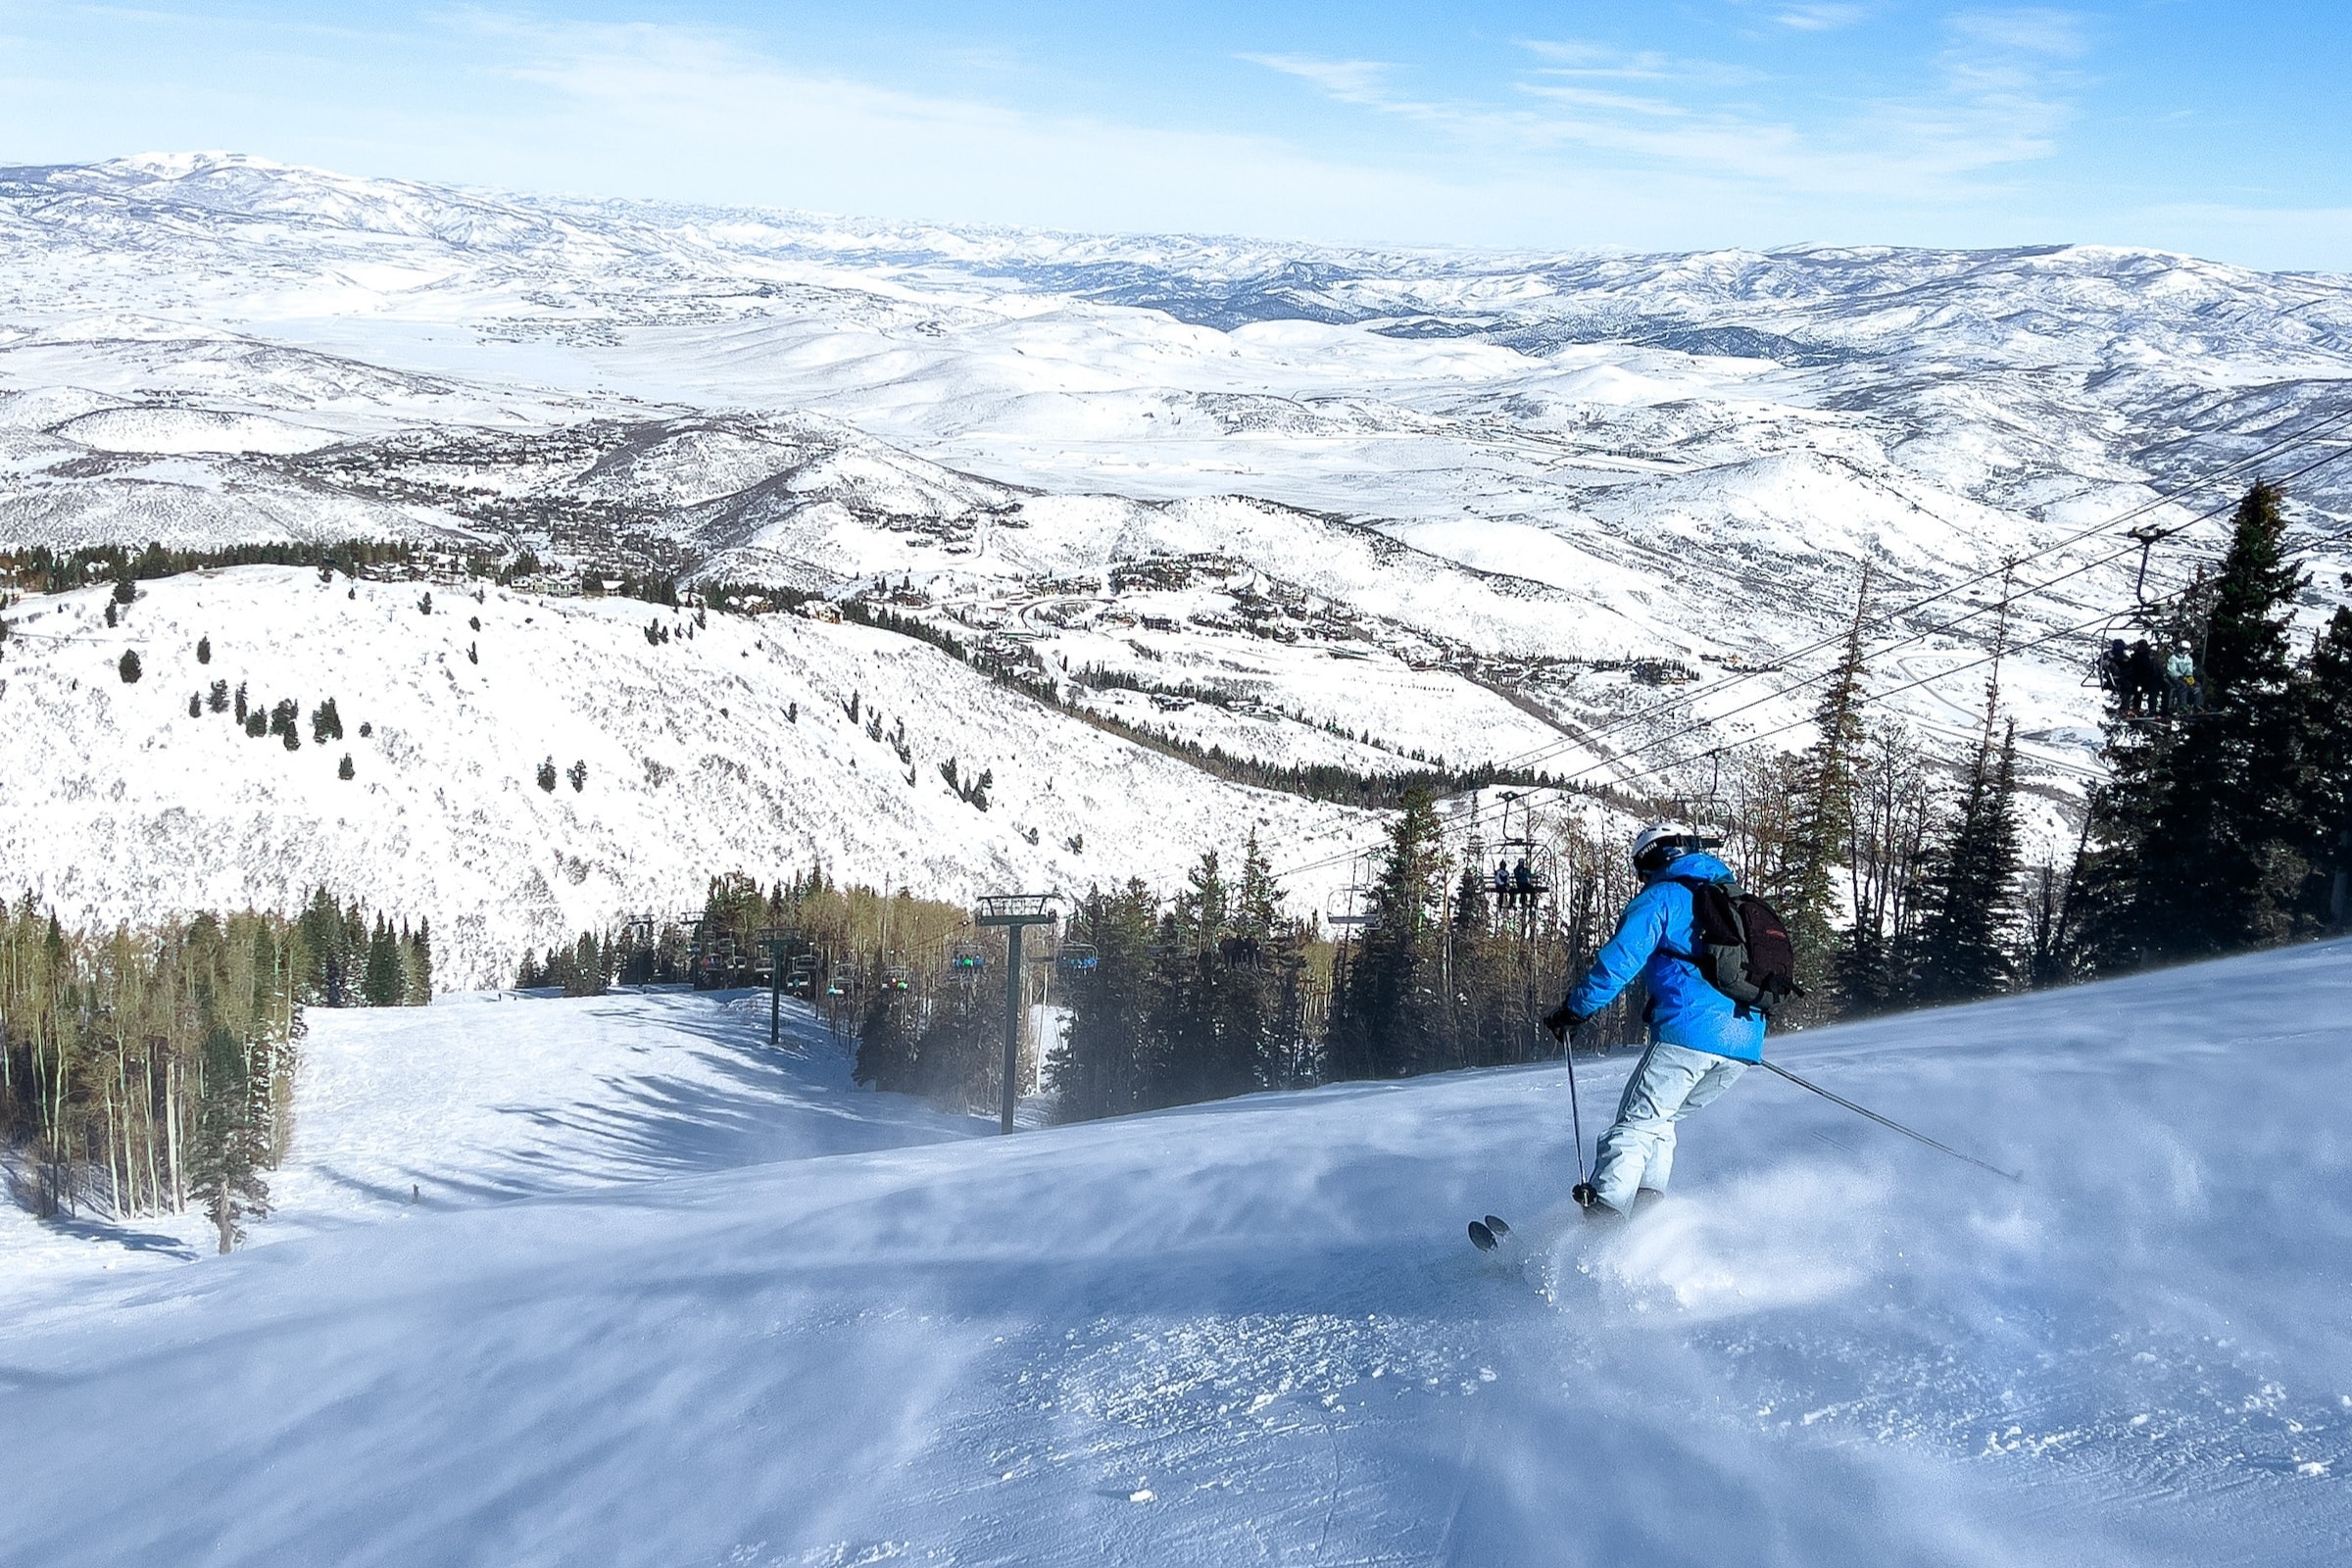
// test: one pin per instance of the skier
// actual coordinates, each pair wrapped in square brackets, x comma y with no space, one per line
[1700,1041]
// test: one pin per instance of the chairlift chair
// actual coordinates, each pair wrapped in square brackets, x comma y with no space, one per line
[1078,956]
[965,960]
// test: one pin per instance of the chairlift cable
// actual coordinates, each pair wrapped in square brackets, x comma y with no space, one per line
[1870,699]
[1934,631]
[2297,438]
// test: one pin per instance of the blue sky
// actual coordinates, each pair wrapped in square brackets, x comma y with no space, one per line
[2220,129]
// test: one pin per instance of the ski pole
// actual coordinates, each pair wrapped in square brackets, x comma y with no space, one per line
[1883,1121]
[1576,1115]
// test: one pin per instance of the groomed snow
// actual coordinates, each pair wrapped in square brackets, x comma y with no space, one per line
[1254,1332]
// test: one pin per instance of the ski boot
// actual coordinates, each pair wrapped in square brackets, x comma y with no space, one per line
[1597,1214]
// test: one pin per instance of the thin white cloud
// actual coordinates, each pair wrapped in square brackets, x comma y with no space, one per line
[1820,18]
[1994,104]
[2057,34]
[1348,81]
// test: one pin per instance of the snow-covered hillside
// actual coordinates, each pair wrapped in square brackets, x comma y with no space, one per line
[1686,455]
[1254,1332]
[723,748]
[406,1112]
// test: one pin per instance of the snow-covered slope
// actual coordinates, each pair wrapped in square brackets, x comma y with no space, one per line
[719,748]
[401,1113]
[1255,1332]
[1383,505]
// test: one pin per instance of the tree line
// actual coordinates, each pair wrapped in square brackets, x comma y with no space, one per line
[145,1070]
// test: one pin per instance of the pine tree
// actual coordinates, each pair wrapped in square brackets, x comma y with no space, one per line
[1963,946]
[128,668]
[240,702]
[1382,1014]
[204,649]
[217,699]
[1805,884]
[2324,805]
[344,769]
[546,775]
[886,1036]
[418,965]
[384,984]
[230,1148]
[1099,1067]
[2198,836]
[196,705]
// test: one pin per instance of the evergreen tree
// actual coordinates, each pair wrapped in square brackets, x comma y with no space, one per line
[231,1143]
[1099,1067]
[418,965]
[886,1035]
[343,770]
[240,702]
[384,984]
[546,775]
[2198,836]
[196,705]
[204,649]
[2325,806]
[1804,886]
[1381,1011]
[217,699]
[128,668]
[1964,946]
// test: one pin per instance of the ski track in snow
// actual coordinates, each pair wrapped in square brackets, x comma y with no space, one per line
[711,1330]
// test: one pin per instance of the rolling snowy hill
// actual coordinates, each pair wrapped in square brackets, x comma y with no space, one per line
[1251,1332]
[1383,505]
[719,748]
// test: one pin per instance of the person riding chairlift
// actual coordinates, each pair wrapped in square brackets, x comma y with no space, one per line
[2144,691]
[1523,882]
[2184,693]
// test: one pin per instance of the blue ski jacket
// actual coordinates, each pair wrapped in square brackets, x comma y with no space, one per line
[1658,926]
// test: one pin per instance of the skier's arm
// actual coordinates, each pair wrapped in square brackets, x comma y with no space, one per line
[1615,965]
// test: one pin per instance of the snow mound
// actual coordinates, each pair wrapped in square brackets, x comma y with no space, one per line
[186,430]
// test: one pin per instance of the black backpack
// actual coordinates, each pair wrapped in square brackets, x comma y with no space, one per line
[1743,946]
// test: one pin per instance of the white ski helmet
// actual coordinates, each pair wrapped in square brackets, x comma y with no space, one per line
[1661,843]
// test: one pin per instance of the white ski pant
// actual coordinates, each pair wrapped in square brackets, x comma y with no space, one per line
[1637,1150]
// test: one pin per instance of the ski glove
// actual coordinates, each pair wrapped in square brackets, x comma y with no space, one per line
[1562,1021]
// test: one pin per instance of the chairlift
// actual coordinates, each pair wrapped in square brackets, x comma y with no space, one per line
[1351,911]
[965,960]
[1077,956]
[898,977]
[1238,951]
